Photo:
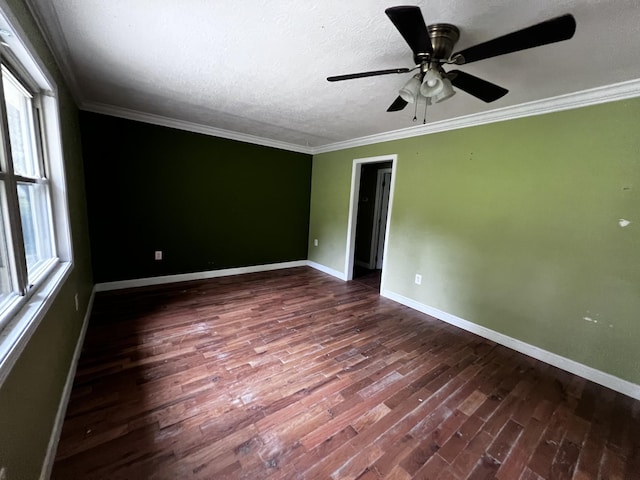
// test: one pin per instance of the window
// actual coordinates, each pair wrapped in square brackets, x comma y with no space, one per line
[26,236]
[35,244]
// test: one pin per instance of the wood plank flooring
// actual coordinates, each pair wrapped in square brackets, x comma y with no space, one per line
[296,375]
[368,277]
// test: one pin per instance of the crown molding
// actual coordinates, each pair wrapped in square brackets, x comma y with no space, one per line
[594,96]
[56,42]
[191,127]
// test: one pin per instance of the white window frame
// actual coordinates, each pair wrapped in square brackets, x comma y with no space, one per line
[22,316]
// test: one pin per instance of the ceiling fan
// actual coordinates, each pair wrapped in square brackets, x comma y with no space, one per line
[432,47]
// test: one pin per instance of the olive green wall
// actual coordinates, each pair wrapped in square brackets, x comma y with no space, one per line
[208,203]
[30,396]
[514,226]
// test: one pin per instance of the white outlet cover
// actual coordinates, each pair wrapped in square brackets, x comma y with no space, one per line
[418,279]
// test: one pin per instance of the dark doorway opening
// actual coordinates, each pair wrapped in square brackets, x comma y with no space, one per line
[371,222]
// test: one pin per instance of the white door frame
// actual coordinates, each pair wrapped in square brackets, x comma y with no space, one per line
[353,210]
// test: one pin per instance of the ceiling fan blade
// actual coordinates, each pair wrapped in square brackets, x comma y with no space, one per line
[550,31]
[397,105]
[479,88]
[410,23]
[374,73]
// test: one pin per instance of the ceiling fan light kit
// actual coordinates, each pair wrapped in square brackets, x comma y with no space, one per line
[411,90]
[432,85]
[432,47]
[446,92]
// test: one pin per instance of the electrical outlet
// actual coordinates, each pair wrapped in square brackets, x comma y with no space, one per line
[418,279]
[77,308]
[315,242]
[158,255]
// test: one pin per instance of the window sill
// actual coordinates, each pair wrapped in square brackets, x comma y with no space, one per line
[15,336]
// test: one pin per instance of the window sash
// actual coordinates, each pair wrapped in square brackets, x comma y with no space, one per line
[7,275]
[29,227]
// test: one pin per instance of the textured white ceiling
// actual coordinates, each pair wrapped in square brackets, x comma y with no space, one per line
[259,67]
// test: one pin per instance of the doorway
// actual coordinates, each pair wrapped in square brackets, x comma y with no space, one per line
[381,211]
[369,217]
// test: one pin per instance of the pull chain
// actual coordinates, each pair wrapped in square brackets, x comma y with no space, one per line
[426,103]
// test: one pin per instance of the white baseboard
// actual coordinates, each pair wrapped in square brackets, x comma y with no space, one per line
[571,366]
[330,271]
[186,277]
[49,459]
[584,371]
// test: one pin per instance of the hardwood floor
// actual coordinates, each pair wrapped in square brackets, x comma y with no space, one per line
[296,375]
[370,278]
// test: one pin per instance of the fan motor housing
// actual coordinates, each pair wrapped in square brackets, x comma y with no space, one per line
[443,38]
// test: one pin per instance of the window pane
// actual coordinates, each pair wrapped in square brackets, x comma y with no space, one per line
[36,226]
[6,289]
[21,132]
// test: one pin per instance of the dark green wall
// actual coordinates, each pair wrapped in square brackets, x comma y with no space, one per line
[30,396]
[208,203]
